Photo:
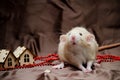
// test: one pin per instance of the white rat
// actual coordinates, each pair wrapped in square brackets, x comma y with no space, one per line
[77,47]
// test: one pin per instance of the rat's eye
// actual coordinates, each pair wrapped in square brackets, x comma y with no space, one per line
[80,34]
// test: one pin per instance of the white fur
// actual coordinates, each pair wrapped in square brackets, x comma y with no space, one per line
[81,49]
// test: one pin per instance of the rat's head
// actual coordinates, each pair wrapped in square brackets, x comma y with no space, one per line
[78,35]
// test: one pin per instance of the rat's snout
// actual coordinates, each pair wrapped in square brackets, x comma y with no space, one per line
[73,38]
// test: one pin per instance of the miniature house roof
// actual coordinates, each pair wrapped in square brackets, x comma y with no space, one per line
[19,51]
[3,55]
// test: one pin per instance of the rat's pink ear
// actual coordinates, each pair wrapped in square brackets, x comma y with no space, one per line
[90,37]
[63,38]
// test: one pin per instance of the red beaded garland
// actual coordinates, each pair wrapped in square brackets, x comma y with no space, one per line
[47,60]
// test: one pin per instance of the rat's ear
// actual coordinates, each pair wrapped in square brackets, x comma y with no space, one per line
[63,38]
[90,38]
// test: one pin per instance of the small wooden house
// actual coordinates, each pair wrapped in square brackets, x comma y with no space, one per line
[7,59]
[24,56]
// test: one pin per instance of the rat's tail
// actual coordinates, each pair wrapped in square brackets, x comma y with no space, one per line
[108,46]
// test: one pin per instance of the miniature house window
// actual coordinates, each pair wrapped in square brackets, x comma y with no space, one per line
[3,58]
[9,62]
[5,53]
[26,58]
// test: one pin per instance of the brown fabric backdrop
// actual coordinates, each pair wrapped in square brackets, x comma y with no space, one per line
[37,24]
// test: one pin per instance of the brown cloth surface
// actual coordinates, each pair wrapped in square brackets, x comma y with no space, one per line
[37,24]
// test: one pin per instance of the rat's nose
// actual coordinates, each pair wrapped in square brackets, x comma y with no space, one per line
[73,38]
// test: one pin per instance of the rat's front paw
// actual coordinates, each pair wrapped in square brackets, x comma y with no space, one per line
[87,71]
[59,66]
